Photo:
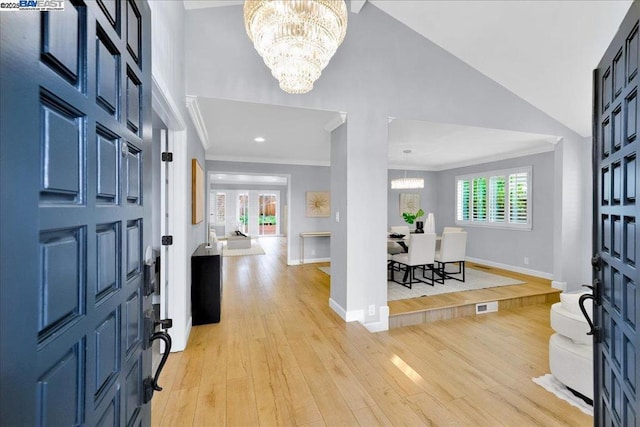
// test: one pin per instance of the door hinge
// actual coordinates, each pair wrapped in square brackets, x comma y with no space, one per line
[167,157]
[167,240]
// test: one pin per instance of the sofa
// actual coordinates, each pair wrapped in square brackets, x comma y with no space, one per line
[570,348]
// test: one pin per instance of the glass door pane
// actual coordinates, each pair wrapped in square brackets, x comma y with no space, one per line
[267,218]
[243,212]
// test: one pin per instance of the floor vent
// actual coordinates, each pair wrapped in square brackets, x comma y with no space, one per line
[486,307]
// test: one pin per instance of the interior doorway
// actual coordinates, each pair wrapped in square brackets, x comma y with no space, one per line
[252,203]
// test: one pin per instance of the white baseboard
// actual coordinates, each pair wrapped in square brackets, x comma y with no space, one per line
[347,316]
[382,324]
[513,268]
[358,315]
[307,261]
[559,285]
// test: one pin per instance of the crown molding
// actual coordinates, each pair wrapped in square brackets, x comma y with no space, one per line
[240,159]
[196,117]
[164,106]
[335,122]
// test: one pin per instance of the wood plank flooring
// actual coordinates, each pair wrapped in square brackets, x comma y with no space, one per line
[281,356]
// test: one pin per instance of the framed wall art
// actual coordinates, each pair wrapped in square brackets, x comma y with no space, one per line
[409,202]
[318,204]
[197,192]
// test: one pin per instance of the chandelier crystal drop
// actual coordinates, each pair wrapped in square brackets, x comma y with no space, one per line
[296,38]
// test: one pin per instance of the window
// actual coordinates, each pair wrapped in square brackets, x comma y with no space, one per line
[495,199]
[221,208]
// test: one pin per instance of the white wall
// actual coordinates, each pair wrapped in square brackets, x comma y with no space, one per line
[339,213]
[383,69]
[169,102]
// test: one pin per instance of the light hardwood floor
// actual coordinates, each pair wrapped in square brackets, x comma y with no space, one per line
[281,356]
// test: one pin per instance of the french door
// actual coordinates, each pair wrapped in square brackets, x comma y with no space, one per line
[243,213]
[616,230]
[74,218]
[268,214]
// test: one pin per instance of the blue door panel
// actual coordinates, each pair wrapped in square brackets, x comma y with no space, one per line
[108,260]
[133,101]
[107,353]
[134,253]
[62,39]
[108,166]
[60,394]
[108,73]
[62,152]
[110,416]
[134,173]
[62,280]
[132,392]
[133,30]
[133,322]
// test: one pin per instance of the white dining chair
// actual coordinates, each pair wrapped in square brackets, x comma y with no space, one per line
[451,229]
[453,247]
[421,256]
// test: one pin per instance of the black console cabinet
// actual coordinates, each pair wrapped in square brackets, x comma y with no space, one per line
[206,285]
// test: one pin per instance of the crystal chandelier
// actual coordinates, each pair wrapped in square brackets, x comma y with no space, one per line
[296,38]
[406,183]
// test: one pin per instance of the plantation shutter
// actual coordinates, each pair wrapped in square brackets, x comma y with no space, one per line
[463,200]
[518,197]
[497,198]
[479,199]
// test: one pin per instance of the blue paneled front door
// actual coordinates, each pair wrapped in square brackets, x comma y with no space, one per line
[616,237]
[75,137]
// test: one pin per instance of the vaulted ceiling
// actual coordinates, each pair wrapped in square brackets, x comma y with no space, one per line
[542,51]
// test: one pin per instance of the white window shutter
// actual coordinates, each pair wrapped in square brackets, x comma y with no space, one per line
[497,198]
[479,199]
[518,198]
[463,199]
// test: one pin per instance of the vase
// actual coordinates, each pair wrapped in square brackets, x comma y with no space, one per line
[419,227]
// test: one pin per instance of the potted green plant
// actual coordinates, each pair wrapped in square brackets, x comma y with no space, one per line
[410,218]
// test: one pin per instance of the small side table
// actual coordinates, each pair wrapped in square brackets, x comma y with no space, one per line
[306,234]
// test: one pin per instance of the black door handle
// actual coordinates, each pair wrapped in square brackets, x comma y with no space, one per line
[151,384]
[593,330]
[167,349]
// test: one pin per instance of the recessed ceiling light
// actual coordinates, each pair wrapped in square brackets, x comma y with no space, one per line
[259,139]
